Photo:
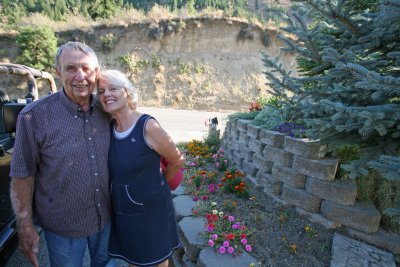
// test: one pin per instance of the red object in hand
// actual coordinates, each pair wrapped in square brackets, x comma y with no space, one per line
[176,180]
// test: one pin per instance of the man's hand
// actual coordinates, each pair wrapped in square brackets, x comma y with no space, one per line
[21,195]
[29,243]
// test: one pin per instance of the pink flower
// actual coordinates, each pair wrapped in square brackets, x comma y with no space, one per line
[204,197]
[244,241]
[222,250]
[230,250]
[235,226]
[214,236]
[248,248]
[210,228]
[231,218]
[195,198]
[217,164]
[226,243]
[225,161]
[210,243]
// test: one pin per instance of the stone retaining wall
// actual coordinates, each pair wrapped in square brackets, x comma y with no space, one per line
[296,172]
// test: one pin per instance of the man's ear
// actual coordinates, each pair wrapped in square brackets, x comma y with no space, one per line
[58,74]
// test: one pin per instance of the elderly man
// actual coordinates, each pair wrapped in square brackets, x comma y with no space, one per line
[59,167]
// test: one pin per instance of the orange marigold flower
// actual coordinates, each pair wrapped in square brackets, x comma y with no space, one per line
[237,187]
[220,185]
[223,179]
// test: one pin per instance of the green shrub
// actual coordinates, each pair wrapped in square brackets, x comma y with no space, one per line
[133,66]
[270,101]
[38,47]
[346,154]
[107,40]
[383,193]
[185,68]
[155,61]
[269,118]
[243,115]
[212,140]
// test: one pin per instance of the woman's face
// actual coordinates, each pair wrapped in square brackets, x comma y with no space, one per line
[113,99]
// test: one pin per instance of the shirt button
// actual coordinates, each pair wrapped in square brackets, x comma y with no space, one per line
[97,190]
[75,116]
[87,120]
[95,174]
[98,205]
[90,138]
[92,156]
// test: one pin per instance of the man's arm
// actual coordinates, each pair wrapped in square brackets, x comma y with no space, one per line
[21,194]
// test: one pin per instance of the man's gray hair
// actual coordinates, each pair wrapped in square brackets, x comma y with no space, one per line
[77,46]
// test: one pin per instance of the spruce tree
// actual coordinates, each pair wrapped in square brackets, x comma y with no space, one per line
[348,87]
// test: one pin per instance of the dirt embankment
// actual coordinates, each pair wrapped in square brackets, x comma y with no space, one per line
[203,64]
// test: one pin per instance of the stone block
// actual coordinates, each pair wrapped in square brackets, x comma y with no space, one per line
[278,156]
[318,218]
[243,139]
[256,146]
[246,154]
[262,164]
[339,192]
[289,176]
[235,145]
[183,206]
[253,131]
[249,168]
[252,180]
[241,125]
[208,258]
[232,122]
[301,198]
[186,262]
[362,216]
[234,134]
[304,147]
[191,229]
[382,239]
[324,169]
[349,252]
[237,158]
[272,138]
[269,183]
[180,190]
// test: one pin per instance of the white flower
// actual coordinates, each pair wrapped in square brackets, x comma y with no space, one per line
[221,214]
[215,212]
[213,204]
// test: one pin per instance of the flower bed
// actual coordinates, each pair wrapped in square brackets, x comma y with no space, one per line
[251,222]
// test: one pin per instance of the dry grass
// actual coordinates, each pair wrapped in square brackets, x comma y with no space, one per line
[70,22]
[125,17]
[157,13]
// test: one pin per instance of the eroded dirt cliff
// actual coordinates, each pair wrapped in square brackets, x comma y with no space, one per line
[204,64]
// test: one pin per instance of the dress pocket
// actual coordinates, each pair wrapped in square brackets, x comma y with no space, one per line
[124,202]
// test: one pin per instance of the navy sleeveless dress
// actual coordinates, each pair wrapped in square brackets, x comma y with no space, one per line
[144,230]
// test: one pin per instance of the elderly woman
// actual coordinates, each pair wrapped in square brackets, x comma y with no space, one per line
[144,231]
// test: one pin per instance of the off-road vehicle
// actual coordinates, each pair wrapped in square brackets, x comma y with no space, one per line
[9,110]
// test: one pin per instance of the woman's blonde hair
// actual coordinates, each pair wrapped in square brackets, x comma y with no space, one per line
[117,79]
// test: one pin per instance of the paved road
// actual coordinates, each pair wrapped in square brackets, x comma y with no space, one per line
[182,126]
[185,125]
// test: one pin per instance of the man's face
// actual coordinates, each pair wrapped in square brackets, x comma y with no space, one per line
[77,72]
